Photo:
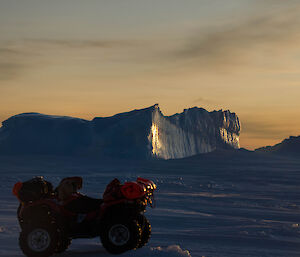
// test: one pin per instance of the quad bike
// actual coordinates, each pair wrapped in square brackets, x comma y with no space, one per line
[48,226]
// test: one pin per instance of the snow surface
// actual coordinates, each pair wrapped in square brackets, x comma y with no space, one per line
[223,204]
[139,134]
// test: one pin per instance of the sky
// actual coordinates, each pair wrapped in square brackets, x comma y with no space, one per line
[98,58]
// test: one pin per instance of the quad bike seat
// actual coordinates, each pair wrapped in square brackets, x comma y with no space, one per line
[67,192]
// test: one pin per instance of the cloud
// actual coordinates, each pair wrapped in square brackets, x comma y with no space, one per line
[237,42]
[85,43]
[202,100]
[10,67]
[265,129]
[10,70]
[211,48]
[6,52]
[18,55]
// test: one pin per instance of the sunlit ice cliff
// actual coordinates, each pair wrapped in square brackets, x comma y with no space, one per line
[140,134]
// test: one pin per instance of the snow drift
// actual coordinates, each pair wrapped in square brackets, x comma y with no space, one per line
[141,134]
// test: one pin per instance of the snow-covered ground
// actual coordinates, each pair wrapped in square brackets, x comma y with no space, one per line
[236,205]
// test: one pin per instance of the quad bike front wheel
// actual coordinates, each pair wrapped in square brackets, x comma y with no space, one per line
[146,230]
[40,240]
[118,236]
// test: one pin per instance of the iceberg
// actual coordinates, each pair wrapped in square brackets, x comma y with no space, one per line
[140,134]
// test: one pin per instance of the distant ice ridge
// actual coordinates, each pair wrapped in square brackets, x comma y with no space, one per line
[140,134]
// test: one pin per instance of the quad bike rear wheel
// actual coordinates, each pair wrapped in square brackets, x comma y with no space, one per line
[40,240]
[63,245]
[120,235]
[146,230]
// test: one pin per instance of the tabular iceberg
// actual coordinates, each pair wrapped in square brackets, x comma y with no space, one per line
[141,134]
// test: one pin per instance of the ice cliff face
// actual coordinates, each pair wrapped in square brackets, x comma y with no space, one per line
[140,134]
[192,132]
